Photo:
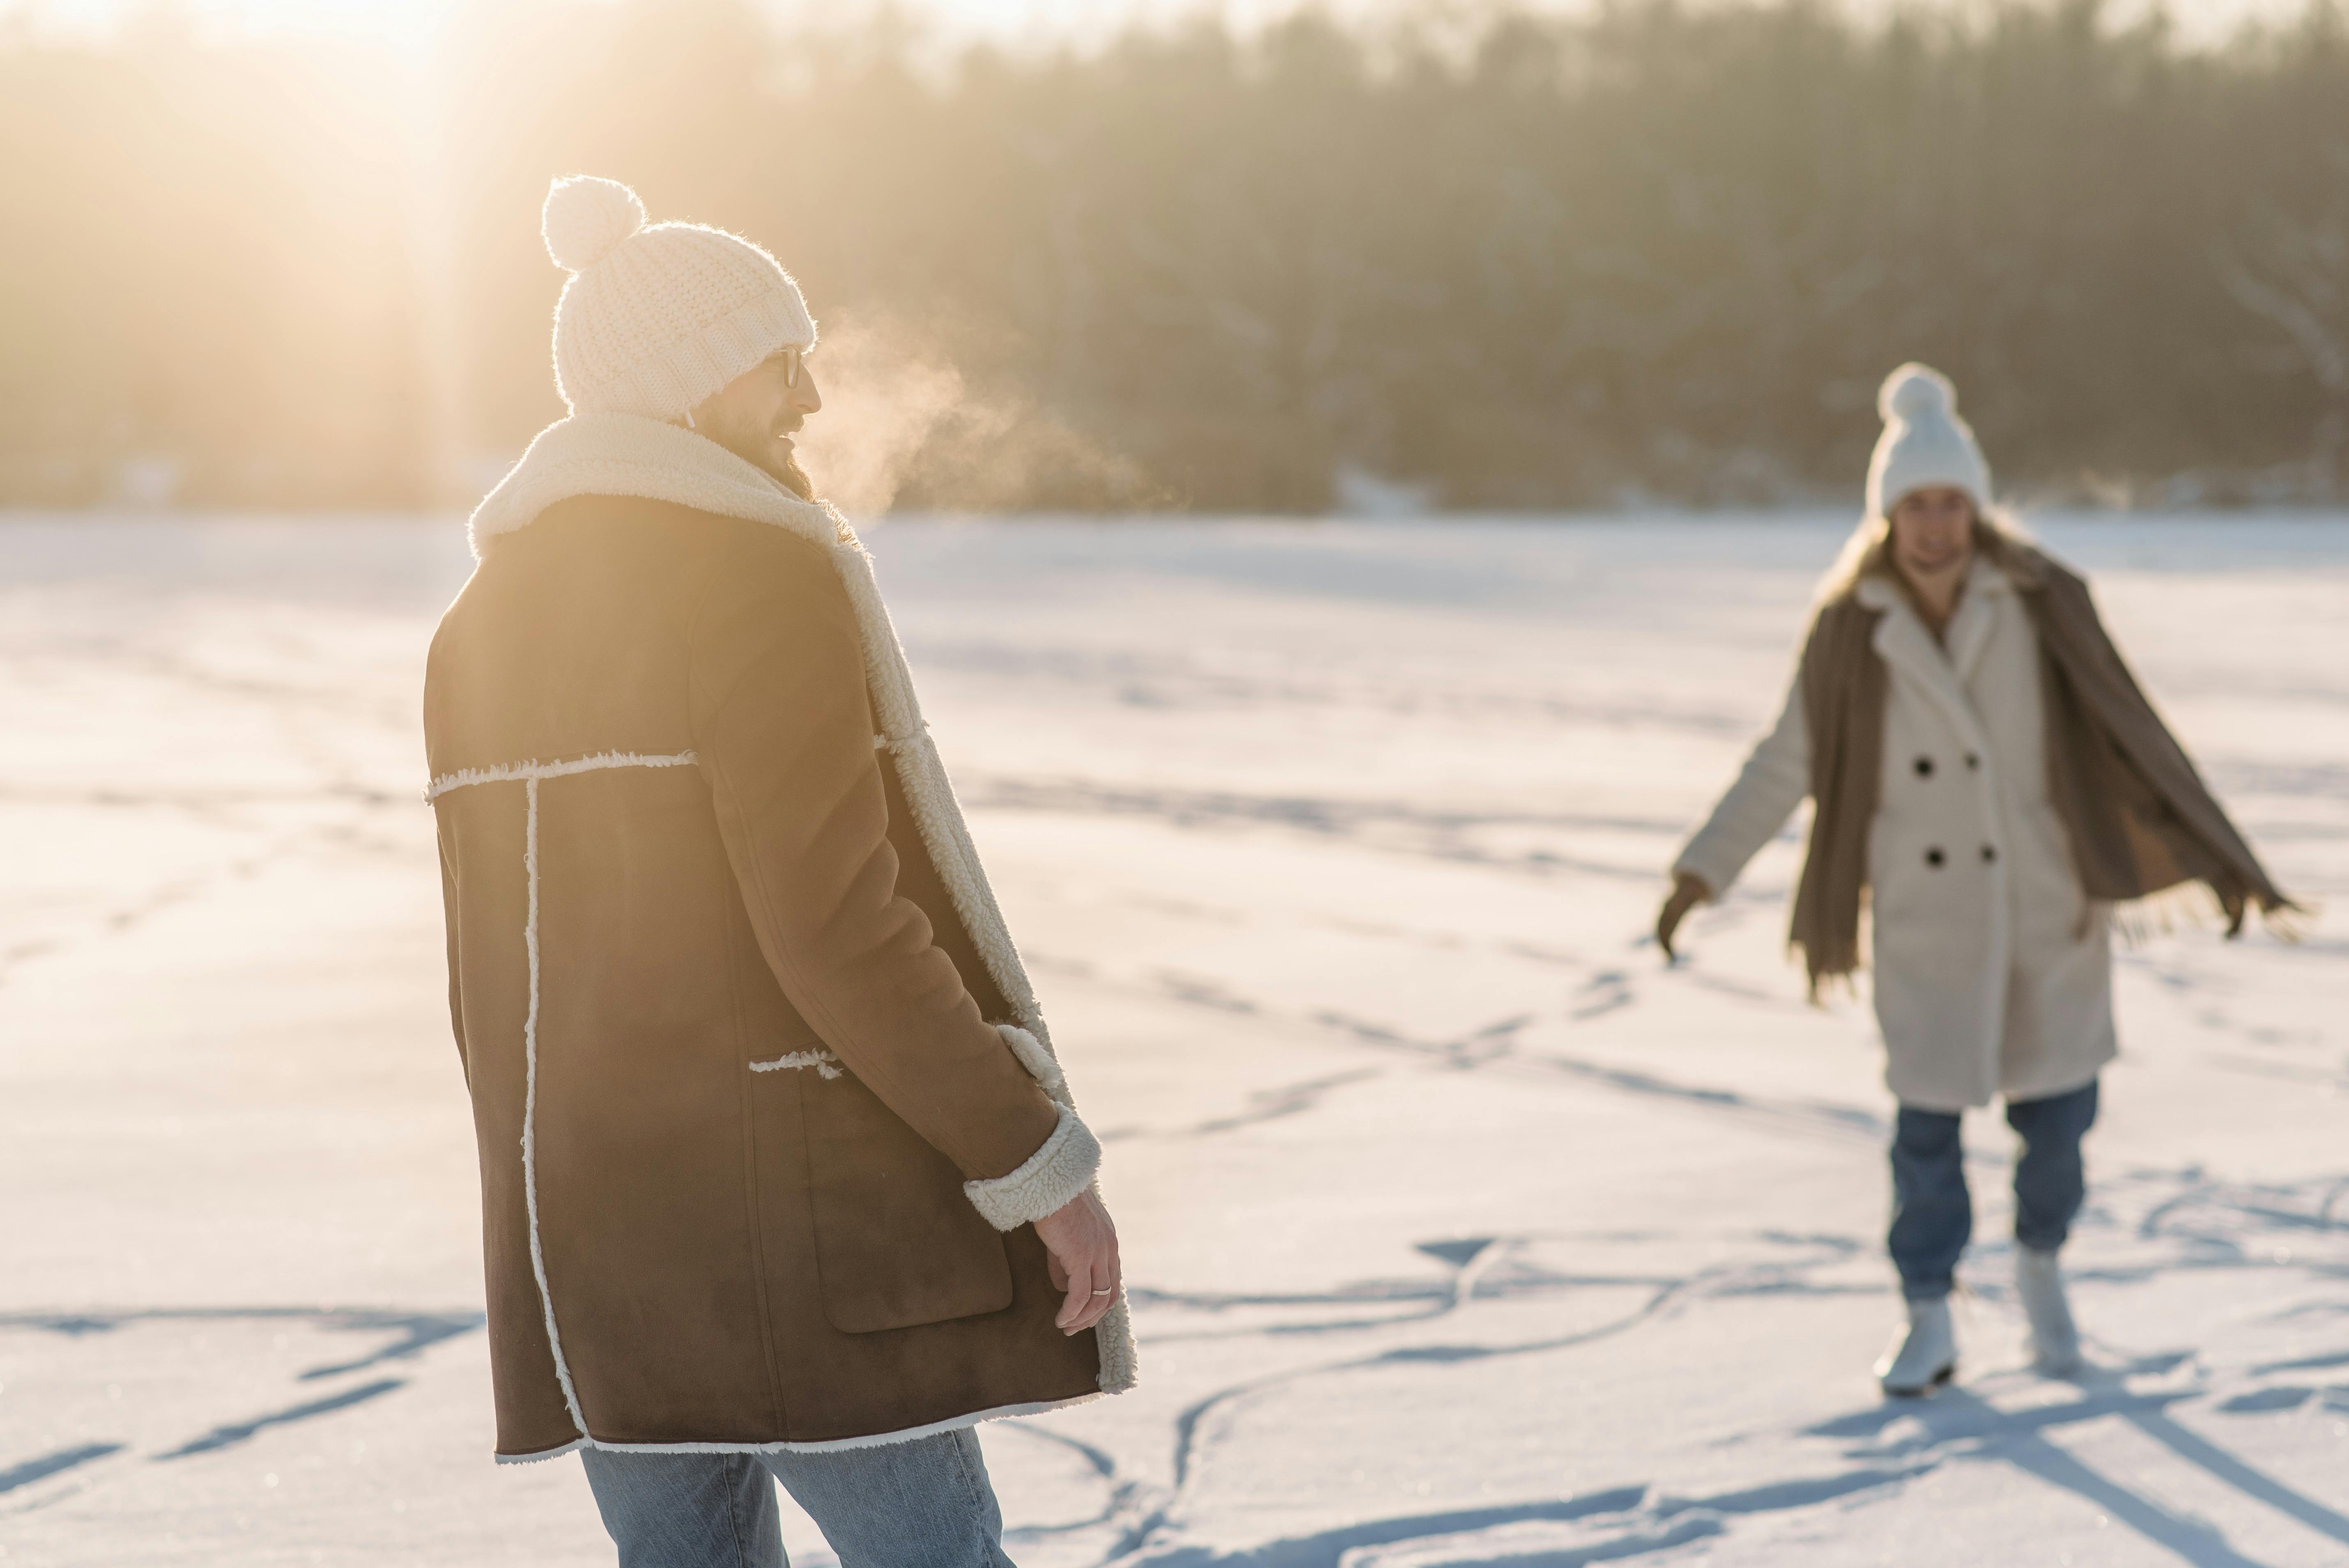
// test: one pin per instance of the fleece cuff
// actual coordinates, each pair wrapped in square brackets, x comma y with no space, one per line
[1045,1183]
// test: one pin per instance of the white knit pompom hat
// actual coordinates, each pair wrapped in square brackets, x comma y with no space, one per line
[655,319]
[1924,441]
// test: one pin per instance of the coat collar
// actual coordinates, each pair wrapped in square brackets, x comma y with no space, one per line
[629,455]
[1902,641]
[1977,618]
[1969,629]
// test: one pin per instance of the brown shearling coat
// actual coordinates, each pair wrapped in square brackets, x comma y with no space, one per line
[725,1254]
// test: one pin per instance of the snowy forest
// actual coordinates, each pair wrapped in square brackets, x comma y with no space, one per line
[1646,252]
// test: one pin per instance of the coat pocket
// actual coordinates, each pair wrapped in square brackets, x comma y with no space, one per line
[897,1244]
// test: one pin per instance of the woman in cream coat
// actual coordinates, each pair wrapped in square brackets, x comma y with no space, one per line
[1992,963]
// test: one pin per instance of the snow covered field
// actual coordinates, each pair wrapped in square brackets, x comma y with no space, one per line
[1461,1231]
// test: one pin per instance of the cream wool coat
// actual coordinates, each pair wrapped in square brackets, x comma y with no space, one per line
[1992,970]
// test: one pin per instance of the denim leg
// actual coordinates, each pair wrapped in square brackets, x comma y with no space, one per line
[922,1504]
[1932,1213]
[2049,1179]
[686,1510]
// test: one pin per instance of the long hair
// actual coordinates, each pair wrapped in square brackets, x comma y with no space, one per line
[1999,538]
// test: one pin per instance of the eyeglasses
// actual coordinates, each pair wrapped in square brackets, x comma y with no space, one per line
[788,358]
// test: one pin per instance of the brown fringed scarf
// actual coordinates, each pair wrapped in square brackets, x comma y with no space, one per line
[2139,817]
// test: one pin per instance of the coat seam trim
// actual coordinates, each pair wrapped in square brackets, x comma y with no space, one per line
[530,1109]
[821,1445]
[753,1212]
[531,774]
[531,771]
[825,1063]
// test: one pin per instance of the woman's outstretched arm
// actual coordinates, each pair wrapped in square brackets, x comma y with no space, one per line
[1773,781]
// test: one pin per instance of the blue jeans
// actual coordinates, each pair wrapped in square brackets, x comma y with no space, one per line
[1933,1215]
[922,1504]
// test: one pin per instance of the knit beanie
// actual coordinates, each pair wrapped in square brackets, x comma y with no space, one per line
[1924,442]
[655,319]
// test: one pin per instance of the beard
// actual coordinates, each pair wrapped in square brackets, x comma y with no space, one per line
[757,449]
[793,477]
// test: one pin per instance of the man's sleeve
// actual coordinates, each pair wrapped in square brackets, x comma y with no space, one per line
[783,728]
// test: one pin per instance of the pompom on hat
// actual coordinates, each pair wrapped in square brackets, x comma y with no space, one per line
[658,317]
[1924,442]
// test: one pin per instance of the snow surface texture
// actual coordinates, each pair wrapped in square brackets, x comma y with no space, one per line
[1461,1231]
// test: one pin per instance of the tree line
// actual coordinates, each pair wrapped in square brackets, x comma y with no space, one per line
[1650,250]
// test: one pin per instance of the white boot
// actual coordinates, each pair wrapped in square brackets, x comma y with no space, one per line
[2039,1284]
[1923,1355]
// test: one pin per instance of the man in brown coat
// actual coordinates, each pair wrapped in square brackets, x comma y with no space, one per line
[779,1176]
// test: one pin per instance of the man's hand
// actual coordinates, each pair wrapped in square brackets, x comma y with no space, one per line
[1688,891]
[1083,1247]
